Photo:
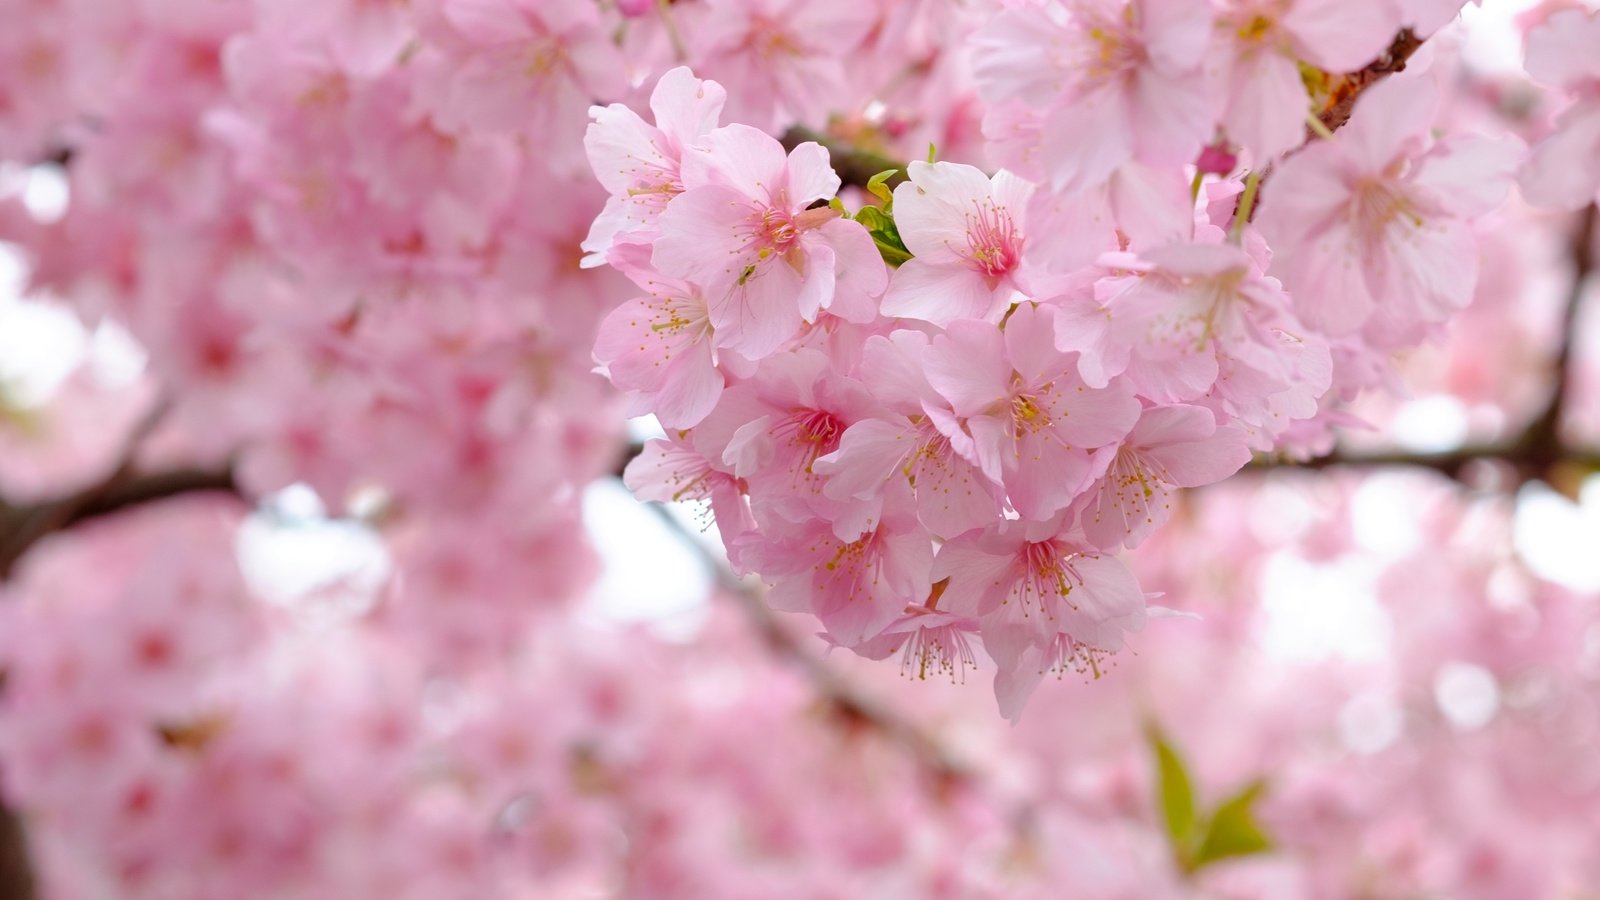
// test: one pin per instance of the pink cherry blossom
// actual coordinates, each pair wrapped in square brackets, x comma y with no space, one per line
[1021,413]
[966,234]
[952,493]
[1170,447]
[858,586]
[1559,54]
[772,428]
[1038,592]
[1200,323]
[744,232]
[661,346]
[1267,40]
[1113,80]
[929,641]
[641,165]
[1379,214]
[783,60]
[516,65]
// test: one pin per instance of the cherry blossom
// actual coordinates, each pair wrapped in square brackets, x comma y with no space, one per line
[965,233]
[1378,192]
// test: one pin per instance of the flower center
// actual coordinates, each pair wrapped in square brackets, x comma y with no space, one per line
[993,245]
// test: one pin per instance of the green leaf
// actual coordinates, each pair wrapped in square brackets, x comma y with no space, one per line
[933,152]
[874,219]
[1175,790]
[877,187]
[891,254]
[1233,829]
[881,226]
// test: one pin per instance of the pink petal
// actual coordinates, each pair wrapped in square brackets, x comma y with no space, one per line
[967,365]
[940,293]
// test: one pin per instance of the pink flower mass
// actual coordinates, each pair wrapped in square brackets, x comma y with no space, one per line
[1230,362]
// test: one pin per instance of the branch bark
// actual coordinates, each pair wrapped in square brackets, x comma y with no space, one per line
[22,526]
[1348,88]
[16,874]
[854,165]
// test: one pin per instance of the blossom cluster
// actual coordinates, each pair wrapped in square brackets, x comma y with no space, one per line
[937,420]
[359,253]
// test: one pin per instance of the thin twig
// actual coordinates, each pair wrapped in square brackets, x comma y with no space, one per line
[843,698]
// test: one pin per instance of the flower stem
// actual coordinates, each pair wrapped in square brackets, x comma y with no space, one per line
[1247,202]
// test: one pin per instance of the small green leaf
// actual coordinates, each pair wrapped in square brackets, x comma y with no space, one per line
[873,219]
[880,225]
[1175,790]
[933,153]
[891,254]
[1233,829]
[877,187]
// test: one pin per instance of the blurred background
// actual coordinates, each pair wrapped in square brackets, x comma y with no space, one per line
[294,616]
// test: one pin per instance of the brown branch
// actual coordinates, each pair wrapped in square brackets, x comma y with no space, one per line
[1346,89]
[22,526]
[1450,463]
[16,873]
[854,165]
[1543,439]
[1343,92]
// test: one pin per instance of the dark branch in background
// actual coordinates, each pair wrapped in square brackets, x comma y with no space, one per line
[854,165]
[16,874]
[841,697]
[23,525]
[1540,451]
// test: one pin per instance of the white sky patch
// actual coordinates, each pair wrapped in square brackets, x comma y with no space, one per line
[293,556]
[1281,512]
[644,428]
[1431,424]
[1491,41]
[1370,722]
[1317,612]
[116,359]
[1559,539]
[40,344]
[649,575]
[1467,695]
[1383,516]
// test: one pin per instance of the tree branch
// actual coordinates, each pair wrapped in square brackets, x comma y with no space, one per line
[854,165]
[843,698]
[1343,92]
[1540,450]
[1347,89]
[16,873]
[23,526]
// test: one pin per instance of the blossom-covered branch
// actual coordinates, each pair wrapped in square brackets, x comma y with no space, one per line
[1540,450]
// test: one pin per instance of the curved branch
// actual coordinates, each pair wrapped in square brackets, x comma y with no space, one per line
[844,700]
[22,526]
